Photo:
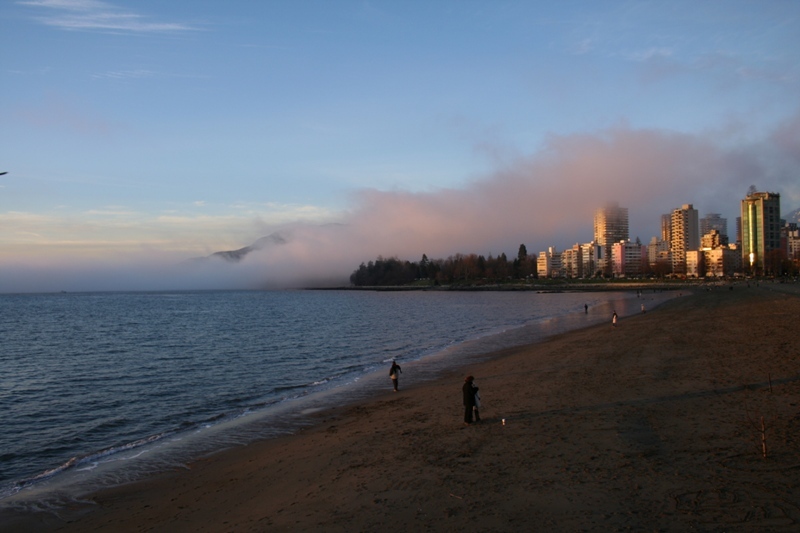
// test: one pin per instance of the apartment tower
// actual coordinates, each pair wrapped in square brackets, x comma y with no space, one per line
[610,226]
[666,226]
[761,231]
[684,236]
[714,221]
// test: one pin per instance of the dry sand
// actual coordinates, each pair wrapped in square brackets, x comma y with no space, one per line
[654,425]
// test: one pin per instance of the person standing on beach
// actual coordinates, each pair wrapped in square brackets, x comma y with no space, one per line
[614,319]
[394,373]
[586,308]
[476,408]
[468,391]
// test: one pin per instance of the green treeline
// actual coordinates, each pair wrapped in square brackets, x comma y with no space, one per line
[454,269]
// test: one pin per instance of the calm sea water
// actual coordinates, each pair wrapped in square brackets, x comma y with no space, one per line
[98,389]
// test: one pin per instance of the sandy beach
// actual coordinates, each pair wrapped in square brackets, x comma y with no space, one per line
[652,425]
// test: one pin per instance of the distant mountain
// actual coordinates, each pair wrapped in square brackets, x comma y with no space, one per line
[234,256]
[793,216]
[270,241]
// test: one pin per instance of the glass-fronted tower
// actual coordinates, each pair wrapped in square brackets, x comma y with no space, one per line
[714,221]
[761,231]
[610,226]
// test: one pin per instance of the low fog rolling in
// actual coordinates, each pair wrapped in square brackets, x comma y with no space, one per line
[545,199]
[139,137]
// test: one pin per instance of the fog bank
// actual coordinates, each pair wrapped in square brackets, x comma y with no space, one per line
[546,198]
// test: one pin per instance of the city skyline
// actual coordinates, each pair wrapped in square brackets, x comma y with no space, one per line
[137,135]
[689,245]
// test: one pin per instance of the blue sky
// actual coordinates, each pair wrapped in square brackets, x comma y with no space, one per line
[138,134]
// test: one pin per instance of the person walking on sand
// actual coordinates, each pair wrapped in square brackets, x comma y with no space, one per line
[394,373]
[469,390]
[614,320]
[586,308]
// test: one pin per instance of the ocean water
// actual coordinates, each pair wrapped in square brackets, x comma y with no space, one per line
[98,389]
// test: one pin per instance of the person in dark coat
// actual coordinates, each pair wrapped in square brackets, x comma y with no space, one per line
[476,409]
[468,391]
[394,373]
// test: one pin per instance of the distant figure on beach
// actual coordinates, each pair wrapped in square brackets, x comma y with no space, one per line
[643,311]
[394,373]
[476,409]
[470,394]
[586,308]
[614,319]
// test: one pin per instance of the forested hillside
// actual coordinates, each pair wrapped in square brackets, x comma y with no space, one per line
[468,268]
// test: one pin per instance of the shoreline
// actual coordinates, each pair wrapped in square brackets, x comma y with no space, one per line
[639,426]
[148,455]
[553,286]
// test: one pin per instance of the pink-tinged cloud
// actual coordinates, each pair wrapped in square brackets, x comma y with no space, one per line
[544,199]
[548,198]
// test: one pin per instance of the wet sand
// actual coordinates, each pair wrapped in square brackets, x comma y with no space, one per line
[653,425]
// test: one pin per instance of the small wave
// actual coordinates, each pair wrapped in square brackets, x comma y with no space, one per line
[286,388]
[91,457]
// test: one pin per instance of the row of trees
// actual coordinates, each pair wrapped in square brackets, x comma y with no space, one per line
[454,269]
[776,263]
[472,268]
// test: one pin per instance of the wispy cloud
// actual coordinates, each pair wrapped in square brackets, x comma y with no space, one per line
[95,15]
[775,75]
[650,53]
[726,67]
[111,211]
[124,74]
[121,229]
[582,47]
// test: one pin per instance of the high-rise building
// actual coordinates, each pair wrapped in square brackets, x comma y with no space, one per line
[761,231]
[658,256]
[739,230]
[610,226]
[628,258]
[714,221]
[684,236]
[665,227]
[548,265]
[712,239]
[590,259]
[791,234]
[722,261]
[571,262]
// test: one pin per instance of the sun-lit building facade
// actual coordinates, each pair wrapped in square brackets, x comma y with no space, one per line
[548,264]
[684,236]
[722,261]
[695,264]
[590,259]
[761,232]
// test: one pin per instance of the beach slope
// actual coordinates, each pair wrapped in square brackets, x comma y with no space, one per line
[655,424]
